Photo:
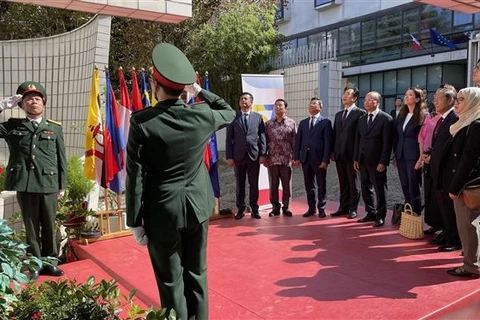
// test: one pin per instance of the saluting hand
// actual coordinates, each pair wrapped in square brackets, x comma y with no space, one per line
[10,102]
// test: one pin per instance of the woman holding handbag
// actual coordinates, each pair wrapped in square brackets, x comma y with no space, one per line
[461,165]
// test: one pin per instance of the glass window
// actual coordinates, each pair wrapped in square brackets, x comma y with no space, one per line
[434,78]
[316,38]
[364,84]
[390,82]
[411,20]
[419,77]
[455,74]
[477,20]
[389,29]
[322,2]
[351,82]
[368,34]
[279,10]
[462,21]
[403,80]
[349,38]
[377,82]
[301,42]
[435,17]
[388,104]
[332,39]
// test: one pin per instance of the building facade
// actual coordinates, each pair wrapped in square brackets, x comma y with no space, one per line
[373,41]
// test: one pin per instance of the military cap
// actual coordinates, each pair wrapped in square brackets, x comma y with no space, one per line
[32,86]
[171,67]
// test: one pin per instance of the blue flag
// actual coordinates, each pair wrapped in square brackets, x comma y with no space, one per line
[439,39]
[213,152]
[144,87]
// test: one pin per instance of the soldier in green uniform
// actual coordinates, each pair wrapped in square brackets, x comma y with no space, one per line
[168,190]
[36,170]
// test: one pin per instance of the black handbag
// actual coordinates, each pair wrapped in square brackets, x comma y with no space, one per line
[397,213]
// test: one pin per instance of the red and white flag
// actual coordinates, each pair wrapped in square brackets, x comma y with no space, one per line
[415,44]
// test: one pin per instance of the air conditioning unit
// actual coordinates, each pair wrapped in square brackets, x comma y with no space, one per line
[321,5]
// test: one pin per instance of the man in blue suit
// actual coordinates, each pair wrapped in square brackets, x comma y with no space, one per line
[246,148]
[312,149]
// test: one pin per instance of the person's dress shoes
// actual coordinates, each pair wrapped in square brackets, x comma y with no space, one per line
[379,223]
[308,213]
[438,240]
[339,213]
[430,231]
[367,218]
[33,275]
[449,248]
[51,271]
[239,215]
[352,215]
[274,213]
[321,213]
[255,215]
[460,272]
[287,213]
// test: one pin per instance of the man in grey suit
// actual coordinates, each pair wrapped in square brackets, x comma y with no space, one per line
[246,148]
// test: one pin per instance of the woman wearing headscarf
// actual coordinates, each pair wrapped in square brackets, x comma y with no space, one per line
[461,164]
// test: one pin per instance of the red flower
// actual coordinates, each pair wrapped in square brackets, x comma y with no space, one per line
[37,315]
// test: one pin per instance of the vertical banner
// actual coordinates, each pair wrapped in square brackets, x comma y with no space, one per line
[265,90]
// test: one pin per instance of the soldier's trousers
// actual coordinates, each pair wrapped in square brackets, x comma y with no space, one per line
[179,263]
[38,212]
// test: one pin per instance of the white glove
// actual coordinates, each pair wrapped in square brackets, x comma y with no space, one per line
[60,194]
[10,102]
[139,235]
[194,89]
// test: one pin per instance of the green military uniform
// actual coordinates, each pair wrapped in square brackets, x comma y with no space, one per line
[168,188]
[36,170]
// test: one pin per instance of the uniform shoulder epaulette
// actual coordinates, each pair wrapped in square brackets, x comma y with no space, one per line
[16,119]
[54,122]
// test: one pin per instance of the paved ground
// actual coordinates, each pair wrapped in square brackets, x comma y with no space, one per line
[227,184]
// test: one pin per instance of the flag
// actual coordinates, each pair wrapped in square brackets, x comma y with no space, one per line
[154,100]
[144,87]
[136,98]
[116,147]
[212,152]
[125,111]
[440,39]
[94,142]
[415,44]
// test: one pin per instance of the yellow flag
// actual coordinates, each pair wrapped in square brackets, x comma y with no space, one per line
[94,147]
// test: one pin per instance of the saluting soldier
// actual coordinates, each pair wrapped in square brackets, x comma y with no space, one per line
[168,197]
[36,170]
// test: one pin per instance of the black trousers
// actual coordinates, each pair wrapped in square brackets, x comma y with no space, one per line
[432,214]
[311,174]
[373,180]
[347,178]
[243,169]
[38,212]
[410,180]
[277,173]
[179,260]
[447,211]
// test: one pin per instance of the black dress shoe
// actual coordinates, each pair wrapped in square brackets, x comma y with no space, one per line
[255,214]
[367,218]
[321,213]
[51,271]
[339,213]
[449,248]
[432,230]
[33,275]
[439,240]
[239,215]
[460,272]
[287,213]
[379,223]
[352,215]
[274,213]
[309,213]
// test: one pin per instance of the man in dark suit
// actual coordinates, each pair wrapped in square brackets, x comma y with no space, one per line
[246,148]
[37,170]
[345,128]
[373,146]
[398,105]
[444,101]
[168,197]
[312,149]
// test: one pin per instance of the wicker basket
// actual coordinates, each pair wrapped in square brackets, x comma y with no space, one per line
[411,225]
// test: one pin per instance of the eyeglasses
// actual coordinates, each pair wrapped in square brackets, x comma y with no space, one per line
[459,100]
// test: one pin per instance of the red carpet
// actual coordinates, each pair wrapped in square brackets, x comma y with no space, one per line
[309,268]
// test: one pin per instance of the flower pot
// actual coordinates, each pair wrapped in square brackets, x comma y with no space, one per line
[89,234]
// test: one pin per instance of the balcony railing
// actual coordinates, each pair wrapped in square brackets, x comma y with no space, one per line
[305,54]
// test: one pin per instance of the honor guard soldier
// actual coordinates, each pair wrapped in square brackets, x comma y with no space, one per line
[36,170]
[169,196]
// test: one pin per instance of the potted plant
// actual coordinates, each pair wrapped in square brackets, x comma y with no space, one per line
[90,230]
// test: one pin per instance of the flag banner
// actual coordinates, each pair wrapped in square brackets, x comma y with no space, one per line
[154,99]
[212,152]
[94,142]
[116,148]
[125,111]
[439,39]
[265,90]
[136,97]
[144,86]
[415,44]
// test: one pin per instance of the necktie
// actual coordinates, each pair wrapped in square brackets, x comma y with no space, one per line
[312,122]
[34,124]
[370,120]
[437,126]
[245,121]
[344,115]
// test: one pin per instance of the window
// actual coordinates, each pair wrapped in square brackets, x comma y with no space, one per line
[349,38]
[462,21]
[301,42]
[317,39]
[389,29]
[323,2]
[279,14]
[435,17]
[403,80]
[368,34]
[419,77]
